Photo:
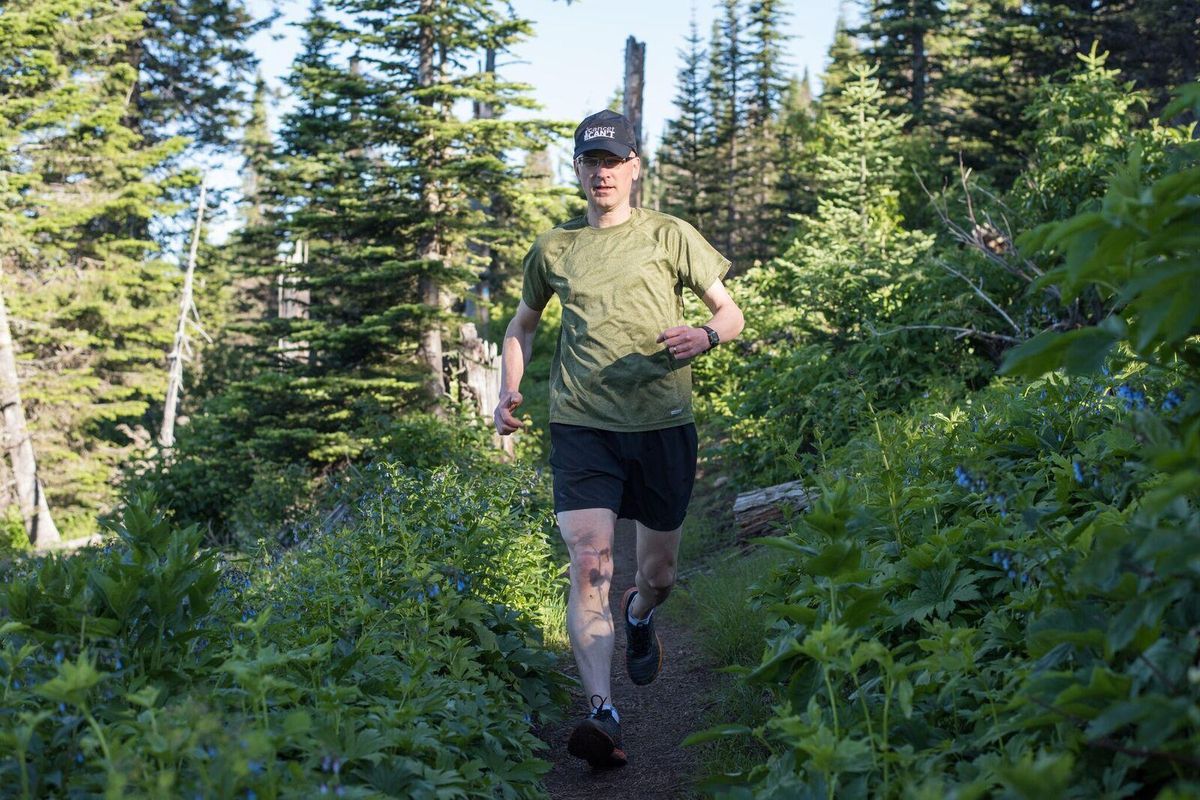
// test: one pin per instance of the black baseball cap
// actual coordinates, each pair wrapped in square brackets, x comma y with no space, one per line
[606,130]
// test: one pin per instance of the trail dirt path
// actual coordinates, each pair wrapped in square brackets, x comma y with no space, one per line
[654,718]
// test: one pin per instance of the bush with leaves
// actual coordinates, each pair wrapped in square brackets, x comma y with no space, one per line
[397,656]
[1005,600]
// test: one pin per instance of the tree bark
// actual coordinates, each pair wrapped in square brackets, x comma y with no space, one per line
[431,291]
[31,498]
[635,78]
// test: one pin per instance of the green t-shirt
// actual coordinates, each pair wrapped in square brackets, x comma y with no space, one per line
[620,287]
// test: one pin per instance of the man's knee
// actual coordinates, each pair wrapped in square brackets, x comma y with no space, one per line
[659,574]
[591,565]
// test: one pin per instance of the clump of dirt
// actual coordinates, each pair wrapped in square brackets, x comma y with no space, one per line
[654,718]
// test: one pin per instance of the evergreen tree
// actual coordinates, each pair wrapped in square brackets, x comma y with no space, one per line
[798,148]
[89,306]
[686,155]
[193,66]
[905,40]
[763,210]
[396,201]
[844,54]
[843,269]
[728,85]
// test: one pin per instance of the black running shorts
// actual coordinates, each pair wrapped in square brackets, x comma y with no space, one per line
[645,476]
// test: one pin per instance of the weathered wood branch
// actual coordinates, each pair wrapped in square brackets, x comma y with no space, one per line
[181,347]
[760,511]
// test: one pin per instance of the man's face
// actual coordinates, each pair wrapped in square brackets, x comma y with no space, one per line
[607,187]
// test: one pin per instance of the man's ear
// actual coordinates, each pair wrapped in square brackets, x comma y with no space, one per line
[637,167]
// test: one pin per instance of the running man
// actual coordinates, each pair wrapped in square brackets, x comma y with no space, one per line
[622,435]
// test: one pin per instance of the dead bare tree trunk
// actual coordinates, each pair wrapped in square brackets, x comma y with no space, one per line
[187,314]
[479,378]
[31,498]
[430,288]
[478,301]
[635,77]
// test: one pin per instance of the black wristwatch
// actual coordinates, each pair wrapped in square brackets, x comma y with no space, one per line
[713,339]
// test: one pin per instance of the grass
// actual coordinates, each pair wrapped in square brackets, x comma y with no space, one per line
[732,633]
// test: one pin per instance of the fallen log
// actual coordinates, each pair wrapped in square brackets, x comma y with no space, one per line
[759,512]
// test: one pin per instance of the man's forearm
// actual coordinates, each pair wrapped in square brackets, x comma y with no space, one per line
[727,321]
[514,356]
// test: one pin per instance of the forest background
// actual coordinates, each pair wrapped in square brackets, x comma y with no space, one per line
[967,269]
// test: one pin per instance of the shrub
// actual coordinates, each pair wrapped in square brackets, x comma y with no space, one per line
[396,656]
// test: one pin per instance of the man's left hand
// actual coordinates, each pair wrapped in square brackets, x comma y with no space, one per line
[684,341]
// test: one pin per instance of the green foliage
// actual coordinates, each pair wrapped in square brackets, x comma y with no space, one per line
[987,601]
[395,656]
[245,470]
[1080,132]
[91,309]
[13,537]
[1137,251]
[1002,599]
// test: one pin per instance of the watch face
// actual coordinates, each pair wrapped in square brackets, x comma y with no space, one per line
[713,339]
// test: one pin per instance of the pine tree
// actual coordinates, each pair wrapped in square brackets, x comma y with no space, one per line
[842,270]
[728,85]
[799,145]
[763,210]
[904,40]
[397,201]
[90,309]
[686,156]
[193,66]
[844,54]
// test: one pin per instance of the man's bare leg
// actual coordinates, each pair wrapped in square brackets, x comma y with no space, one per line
[588,534]
[657,553]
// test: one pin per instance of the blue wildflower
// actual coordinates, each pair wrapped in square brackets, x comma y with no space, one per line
[1012,574]
[1172,401]
[434,591]
[79,758]
[460,584]
[1024,577]
[1078,469]
[1005,562]
[995,556]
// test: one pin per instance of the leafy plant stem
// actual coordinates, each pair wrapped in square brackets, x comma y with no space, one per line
[867,719]
[832,701]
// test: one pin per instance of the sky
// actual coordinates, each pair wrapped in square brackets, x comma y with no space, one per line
[576,58]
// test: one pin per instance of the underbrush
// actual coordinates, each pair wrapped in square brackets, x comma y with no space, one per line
[397,656]
[994,601]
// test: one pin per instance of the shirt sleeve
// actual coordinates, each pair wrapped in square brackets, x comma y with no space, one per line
[535,289]
[699,263]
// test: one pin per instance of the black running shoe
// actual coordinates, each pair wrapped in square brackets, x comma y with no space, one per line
[643,649]
[597,739]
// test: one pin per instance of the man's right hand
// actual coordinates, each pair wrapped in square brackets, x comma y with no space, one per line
[506,423]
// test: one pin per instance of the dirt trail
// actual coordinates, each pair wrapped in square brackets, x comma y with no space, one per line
[654,718]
